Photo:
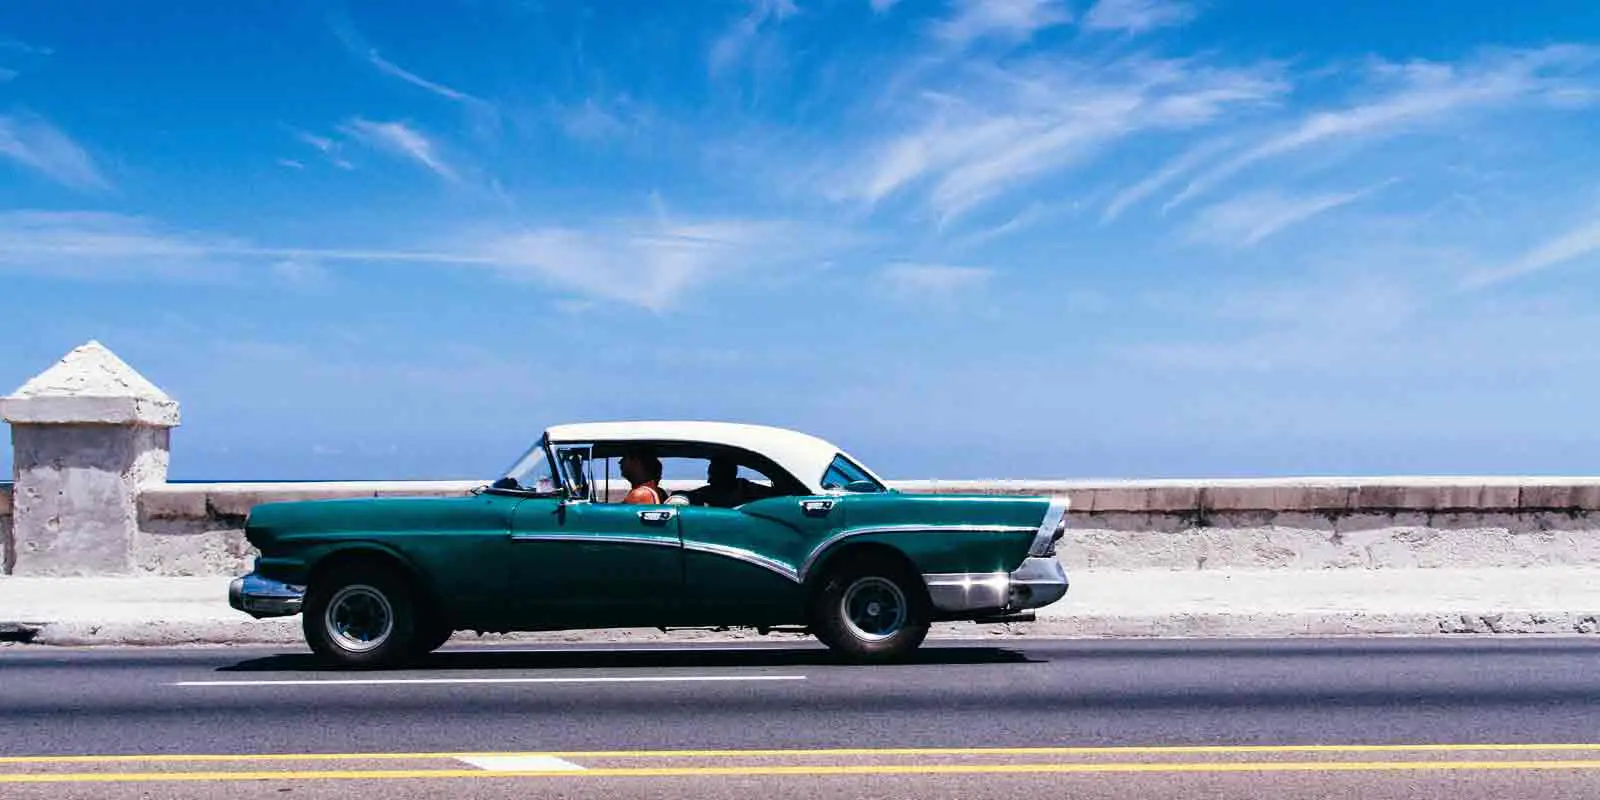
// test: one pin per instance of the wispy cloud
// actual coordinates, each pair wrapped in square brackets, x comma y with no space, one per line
[96,245]
[329,148]
[291,163]
[1382,328]
[302,274]
[1427,94]
[923,281]
[1027,218]
[100,244]
[1187,162]
[1572,245]
[390,68]
[358,45]
[1311,321]
[988,131]
[589,121]
[1011,21]
[1356,303]
[883,6]
[1245,220]
[20,48]
[731,46]
[600,118]
[401,139]
[648,263]
[1137,16]
[16,55]
[30,140]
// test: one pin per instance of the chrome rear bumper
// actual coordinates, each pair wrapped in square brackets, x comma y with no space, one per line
[262,597]
[1037,583]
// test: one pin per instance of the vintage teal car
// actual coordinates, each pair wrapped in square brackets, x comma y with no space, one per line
[789,532]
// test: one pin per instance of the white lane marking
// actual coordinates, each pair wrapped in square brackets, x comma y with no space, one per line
[439,681]
[520,763]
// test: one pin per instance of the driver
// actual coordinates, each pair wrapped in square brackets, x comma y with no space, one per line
[724,488]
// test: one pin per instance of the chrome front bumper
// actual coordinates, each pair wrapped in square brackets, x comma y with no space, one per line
[1037,583]
[260,597]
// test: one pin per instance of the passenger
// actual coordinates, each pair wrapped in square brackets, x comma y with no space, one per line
[642,470]
[724,488]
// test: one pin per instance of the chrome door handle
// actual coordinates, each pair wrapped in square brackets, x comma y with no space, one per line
[657,516]
[816,507]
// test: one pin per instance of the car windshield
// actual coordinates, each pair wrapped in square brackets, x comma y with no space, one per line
[844,474]
[531,473]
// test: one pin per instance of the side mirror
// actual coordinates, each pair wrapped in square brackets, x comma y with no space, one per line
[861,487]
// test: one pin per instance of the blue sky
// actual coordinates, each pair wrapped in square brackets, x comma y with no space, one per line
[963,238]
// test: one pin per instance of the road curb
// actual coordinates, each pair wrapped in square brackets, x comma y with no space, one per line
[1178,625]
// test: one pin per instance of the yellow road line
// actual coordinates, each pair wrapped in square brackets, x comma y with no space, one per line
[818,771]
[826,752]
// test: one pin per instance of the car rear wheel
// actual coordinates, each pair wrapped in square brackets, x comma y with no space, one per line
[360,617]
[871,610]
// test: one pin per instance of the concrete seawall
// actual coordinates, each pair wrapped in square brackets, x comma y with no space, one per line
[1309,524]
[6,553]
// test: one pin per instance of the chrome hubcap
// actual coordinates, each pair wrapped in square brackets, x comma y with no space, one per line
[359,618]
[874,608]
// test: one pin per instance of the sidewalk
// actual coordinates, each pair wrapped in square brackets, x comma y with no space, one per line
[183,611]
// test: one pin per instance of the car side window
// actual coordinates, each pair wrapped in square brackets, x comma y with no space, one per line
[843,473]
[574,464]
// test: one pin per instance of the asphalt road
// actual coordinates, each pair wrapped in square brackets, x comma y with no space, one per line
[1456,718]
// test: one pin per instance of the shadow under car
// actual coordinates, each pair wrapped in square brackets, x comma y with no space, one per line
[490,658]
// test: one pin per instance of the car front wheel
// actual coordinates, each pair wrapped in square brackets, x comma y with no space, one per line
[362,617]
[871,611]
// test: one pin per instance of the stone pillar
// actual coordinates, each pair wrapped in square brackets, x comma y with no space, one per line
[87,435]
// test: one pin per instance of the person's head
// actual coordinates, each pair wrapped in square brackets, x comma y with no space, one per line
[722,471]
[640,466]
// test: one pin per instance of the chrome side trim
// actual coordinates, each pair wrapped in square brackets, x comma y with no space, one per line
[936,528]
[823,547]
[1054,517]
[747,556]
[596,538]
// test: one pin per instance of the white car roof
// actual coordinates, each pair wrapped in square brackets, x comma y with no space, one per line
[802,455]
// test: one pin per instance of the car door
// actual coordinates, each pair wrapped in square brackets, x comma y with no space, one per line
[579,563]
[742,565]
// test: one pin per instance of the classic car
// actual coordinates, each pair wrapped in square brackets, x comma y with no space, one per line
[811,541]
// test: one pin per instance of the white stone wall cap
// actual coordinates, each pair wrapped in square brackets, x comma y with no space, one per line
[88,411]
[353,488]
[90,385]
[1157,497]
[1348,481]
